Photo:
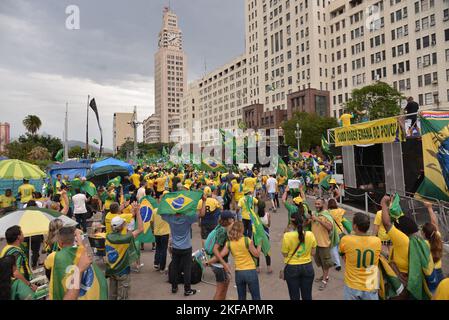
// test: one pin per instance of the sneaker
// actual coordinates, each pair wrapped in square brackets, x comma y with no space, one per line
[323,285]
[156,267]
[191,292]
[174,290]
[338,268]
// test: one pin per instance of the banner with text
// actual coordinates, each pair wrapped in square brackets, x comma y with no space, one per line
[379,131]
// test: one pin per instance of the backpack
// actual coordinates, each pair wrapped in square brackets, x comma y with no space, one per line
[210,241]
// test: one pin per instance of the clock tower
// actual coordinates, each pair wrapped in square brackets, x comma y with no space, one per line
[169,82]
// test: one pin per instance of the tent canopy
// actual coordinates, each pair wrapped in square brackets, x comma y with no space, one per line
[112,162]
[70,168]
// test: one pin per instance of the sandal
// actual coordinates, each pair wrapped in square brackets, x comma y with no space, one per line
[323,285]
[319,279]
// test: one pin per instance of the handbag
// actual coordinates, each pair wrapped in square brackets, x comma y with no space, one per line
[281,272]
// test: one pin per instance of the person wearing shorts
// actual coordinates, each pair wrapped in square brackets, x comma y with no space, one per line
[212,211]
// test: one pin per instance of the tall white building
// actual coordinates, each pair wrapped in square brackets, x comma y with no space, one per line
[170,80]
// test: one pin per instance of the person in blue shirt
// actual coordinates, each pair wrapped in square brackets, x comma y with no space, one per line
[180,228]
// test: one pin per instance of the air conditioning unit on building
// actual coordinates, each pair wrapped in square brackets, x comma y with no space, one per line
[435,82]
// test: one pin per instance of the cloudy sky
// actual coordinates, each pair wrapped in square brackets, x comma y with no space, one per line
[43,65]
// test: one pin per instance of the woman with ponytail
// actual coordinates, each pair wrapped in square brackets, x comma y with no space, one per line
[432,234]
[298,246]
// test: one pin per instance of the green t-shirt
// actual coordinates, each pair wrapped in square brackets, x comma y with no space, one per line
[221,237]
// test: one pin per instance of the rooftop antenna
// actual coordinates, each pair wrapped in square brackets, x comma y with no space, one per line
[205,66]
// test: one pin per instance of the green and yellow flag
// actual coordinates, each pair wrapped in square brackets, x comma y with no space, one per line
[435,144]
[212,164]
[116,181]
[395,208]
[294,154]
[283,169]
[148,206]
[180,202]
[259,233]
[93,283]
[390,285]
[121,252]
[89,188]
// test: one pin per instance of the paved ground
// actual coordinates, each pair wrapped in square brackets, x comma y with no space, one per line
[150,284]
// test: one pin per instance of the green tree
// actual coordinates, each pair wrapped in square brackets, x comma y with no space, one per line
[378,100]
[39,153]
[312,126]
[32,124]
[76,152]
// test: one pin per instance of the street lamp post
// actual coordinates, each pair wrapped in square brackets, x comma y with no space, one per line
[298,134]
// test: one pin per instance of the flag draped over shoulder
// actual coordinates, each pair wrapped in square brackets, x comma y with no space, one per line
[93,284]
[259,233]
[422,278]
[294,154]
[435,144]
[180,202]
[333,235]
[148,206]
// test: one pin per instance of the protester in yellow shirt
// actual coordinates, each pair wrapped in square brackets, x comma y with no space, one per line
[379,231]
[345,119]
[160,185]
[248,202]
[250,182]
[298,246]
[442,292]
[135,179]
[210,215]
[361,254]
[7,201]
[399,233]
[26,192]
[337,214]
[243,252]
[162,235]
[115,212]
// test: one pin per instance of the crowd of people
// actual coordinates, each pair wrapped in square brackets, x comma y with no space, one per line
[317,230]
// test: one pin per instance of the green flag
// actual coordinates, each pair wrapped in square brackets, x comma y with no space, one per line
[212,164]
[148,206]
[180,202]
[395,208]
[60,155]
[283,169]
[116,181]
[93,282]
[89,188]
[294,154]
[325,185]
[325,147]
[260,235]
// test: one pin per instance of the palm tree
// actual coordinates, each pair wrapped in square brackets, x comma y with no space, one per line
[32,124]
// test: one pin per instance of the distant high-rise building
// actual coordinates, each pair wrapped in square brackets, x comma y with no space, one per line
[4,135]
[170,81]
[122,130]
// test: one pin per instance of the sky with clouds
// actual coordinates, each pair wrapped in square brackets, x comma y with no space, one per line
[43,65]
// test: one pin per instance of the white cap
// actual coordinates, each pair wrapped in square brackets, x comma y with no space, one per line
[117,222]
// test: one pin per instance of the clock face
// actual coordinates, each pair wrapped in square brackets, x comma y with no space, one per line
[173,39]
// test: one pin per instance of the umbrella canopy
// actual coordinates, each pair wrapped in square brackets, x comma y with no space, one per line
[18,170]
[112,162]
[33,221]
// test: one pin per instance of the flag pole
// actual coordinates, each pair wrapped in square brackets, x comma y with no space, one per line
[87,128]
[66,125]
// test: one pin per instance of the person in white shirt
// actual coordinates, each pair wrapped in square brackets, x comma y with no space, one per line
[271,190]
[141,192]
[79,208]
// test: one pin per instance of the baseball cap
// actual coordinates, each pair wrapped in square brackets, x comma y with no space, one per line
[227,215]
[207,191]
[117,222]
[298,200]
[332,181]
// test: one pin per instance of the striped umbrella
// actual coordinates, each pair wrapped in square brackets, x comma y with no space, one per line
[18,170]
[33,221]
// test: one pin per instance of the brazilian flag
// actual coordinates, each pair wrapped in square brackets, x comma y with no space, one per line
[260,235]
[294,154]
[180,202]
[60,155]
[116,181]
[325,147]
[212,165]
[148,205]
[283,169]
[435,144]
[325,185]
[389,283]
[93,282]
[395,208]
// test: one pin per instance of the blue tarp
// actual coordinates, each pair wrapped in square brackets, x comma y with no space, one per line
[15,184]
[3,158]
[69,168]
[113,162]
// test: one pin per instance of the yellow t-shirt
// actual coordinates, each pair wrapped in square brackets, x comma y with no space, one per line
[442,292]
[321,176]
[304,253]
[150,183]
[26,192]
[362,256]
[107,220]
[400,248]
[170,180]
[160,184]
[321,234]
[382,233]
[316,178]
[245,213]
[161,227]
[338,214]
[212,204]
[346,119]
[109,200]
[135,179]
[242,257]
[281,180]
[236,191]
[6,202]
[250,183]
